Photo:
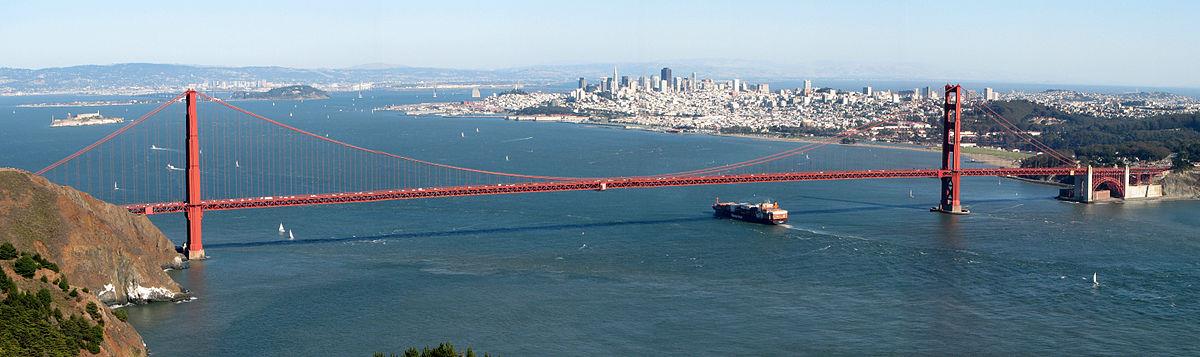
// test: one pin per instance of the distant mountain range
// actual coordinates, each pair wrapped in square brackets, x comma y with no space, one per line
[148,77]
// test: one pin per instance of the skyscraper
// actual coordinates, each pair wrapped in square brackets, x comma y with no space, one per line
[666,75]
[867,91]
[616,85]
[808,87]
[582,83]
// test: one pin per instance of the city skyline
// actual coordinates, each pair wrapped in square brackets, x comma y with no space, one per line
[1060,42]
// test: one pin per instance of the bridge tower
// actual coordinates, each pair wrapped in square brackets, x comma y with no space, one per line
[950,172]
[194,211]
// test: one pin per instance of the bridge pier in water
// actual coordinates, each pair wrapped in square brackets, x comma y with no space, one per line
[1091,187]
[194,210]
[950,173]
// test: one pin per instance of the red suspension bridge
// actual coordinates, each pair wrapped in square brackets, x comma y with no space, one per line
[252,161]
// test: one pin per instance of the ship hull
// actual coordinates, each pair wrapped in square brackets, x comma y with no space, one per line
[748,215]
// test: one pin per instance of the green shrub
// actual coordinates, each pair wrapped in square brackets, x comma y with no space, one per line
[44,279]
[121,314]
[444,349]
[85,290]
[7,251]
[62,284]
[45,263]
[25,266]
[93,310]
[44,296]
[7,286]
[74,293]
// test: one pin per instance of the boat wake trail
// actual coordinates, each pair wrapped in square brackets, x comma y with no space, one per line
[156,148]
[516,140]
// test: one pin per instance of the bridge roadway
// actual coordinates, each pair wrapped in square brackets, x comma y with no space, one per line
[606,184]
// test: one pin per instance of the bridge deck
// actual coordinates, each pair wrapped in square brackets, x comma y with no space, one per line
[602,184]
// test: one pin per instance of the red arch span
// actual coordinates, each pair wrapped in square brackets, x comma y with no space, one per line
[1113,183]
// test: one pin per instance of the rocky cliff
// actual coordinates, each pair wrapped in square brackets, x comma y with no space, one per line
[1182,184]
[118,256]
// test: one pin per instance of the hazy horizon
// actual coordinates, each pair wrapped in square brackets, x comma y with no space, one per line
[1077,42]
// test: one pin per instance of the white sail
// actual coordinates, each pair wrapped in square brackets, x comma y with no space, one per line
[115,186]
[1095,279]
[505,157]
[281,230]
[462,135]
[290,236]
[236,163]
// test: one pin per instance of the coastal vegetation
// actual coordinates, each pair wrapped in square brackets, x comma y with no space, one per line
[445,349]
[41,323]
[1096,141]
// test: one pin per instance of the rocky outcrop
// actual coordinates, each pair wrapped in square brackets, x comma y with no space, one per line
[117,255]
[1182,184]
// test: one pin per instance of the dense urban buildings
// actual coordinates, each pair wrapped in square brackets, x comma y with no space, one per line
[665,102]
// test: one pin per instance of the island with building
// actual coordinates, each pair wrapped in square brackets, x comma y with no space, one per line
[84,119]
[296,92]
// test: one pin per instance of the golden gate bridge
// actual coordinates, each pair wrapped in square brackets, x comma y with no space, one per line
[247,160]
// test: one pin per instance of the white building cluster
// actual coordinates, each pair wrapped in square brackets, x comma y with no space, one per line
[1101,105]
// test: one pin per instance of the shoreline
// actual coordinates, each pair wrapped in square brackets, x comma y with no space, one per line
[993,160]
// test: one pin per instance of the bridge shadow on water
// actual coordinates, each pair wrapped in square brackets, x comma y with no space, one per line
[864,206]
[462,232]
[923,205]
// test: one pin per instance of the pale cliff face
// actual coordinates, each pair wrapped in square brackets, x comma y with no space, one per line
[115,254]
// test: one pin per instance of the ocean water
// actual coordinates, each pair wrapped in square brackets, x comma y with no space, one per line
[862,268]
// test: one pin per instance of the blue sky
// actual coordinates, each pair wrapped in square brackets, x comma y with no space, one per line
[1152,43]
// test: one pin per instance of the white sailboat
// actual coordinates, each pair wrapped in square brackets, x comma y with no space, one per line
[910,193]
[435,92]
[505,157]
[115,186]
[173,168]
[476,130]
[281,230]
[290,236]
[236,163]
[1095,280]
[462,134]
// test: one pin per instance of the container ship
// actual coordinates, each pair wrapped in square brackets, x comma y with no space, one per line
[765,213]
